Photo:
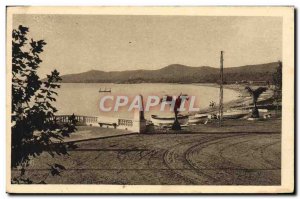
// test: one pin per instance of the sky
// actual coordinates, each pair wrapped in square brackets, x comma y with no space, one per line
[79,43]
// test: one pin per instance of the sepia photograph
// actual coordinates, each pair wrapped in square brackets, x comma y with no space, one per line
[150,99]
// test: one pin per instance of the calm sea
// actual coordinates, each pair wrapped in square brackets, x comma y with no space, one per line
[84,98]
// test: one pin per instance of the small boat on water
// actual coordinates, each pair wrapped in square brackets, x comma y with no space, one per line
[260,110]
[198,118]
[235,114]
[168,121]
[105,90]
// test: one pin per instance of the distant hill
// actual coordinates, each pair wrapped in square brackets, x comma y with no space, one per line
[176,73]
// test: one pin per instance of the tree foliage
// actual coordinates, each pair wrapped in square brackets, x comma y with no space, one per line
[34,127]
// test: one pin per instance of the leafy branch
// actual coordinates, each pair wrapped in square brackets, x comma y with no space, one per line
[34,126]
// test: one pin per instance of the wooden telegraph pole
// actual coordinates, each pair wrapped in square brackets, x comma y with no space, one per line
[221,90]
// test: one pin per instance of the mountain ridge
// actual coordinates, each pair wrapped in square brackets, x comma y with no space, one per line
[176,73]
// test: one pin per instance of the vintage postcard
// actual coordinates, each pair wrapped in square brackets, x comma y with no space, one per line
[150,100]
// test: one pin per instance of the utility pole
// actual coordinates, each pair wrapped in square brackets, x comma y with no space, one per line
[221,90]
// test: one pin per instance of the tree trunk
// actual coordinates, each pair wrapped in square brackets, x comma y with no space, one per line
[176,125]
[255,113]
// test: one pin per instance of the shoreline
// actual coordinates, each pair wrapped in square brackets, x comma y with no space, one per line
[242,99]
[236,103]
[226,106]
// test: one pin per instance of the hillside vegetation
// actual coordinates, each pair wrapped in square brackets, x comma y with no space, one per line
[176,73]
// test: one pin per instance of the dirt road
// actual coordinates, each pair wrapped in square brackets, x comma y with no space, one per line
[199,159]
